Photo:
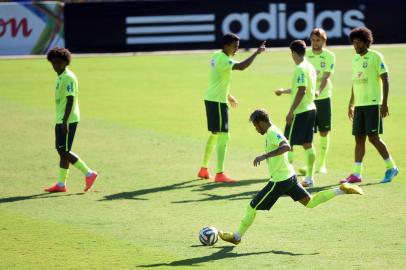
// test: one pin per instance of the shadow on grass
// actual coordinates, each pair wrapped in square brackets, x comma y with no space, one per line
[198,184]
[222,253]
[37,196]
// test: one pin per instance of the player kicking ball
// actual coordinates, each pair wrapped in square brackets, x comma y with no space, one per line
[67,118]
[282,181]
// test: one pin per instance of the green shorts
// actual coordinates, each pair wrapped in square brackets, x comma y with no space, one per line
[323,115]
[367,120]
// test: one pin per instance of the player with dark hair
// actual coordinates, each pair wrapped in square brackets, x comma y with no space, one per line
[323,61]
[216,100]
[67,118]
[368,103]
[282,181]
[302,114]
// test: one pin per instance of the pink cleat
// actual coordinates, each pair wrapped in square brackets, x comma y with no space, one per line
[204,173]
[90,181]
[351,179]
[223,178]
[56,188]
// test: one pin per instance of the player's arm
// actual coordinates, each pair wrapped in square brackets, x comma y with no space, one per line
[281,91]
[283,148]
[232,100]
[68,109]
[385,88]
[247,62]
[351,105]
[298,98]
[324,80]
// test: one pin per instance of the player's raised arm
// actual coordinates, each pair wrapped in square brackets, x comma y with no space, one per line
[247,62]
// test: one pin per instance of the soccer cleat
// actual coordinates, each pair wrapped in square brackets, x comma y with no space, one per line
[89,181]
[351,189]
[307,183]
[223,178]
[390,174]
[229,237]
[351,179]
[56,188]
[322,169]
[204,173]
[303,170]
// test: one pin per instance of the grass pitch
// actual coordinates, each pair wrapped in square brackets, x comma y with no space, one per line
[143,128]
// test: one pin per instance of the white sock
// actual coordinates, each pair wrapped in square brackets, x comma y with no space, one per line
[237,236]
[338,191]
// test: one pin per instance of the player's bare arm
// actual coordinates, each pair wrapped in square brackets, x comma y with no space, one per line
[283,148]
[385,89]
[247,62]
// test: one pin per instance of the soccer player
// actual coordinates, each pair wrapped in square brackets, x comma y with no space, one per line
[283,179]
[323,61]
[368,105]
[216,101]
[302,114]
[67,118]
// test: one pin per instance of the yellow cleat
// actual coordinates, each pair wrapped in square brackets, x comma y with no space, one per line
[351,189]
[229,237]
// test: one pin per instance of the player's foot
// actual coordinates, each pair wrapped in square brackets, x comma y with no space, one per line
[204,173]
[307,183]
[56,188]
[389,175]
[322,169]
[303,170]
[229,237]
[89,181]
[223,178]
[351,189]
[351,179]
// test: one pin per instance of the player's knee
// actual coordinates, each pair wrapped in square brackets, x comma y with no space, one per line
[374,139]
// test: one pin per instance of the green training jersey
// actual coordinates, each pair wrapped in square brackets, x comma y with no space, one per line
[323,62]
[279,166]
[66,85]
[305,75]
[366,80]
[220,77]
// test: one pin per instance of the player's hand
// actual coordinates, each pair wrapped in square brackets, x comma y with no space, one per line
[289,118]
[261,48]
[233,102]
[279,91]
[258,160]
[351,112]
[64,128]
[317,93]
[384,110]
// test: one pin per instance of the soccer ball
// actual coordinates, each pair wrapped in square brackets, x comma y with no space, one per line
[208,236]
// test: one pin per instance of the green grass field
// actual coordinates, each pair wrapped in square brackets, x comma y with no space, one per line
[143,128]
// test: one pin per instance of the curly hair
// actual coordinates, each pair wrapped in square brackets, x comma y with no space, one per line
[58,52]
[259,115]
[230,38]
[363,34]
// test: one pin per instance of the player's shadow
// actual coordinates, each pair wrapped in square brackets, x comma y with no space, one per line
[239,183]
[134,195]
[232,197]
[36,196]
[222,253]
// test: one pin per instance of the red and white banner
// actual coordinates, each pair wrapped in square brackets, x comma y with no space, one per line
[30,28]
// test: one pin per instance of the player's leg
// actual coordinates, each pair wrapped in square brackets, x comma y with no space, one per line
[374,127]
[61,145]
[213,126]
[306,139]
[222,142]
[324,126]
[288,133]
[359,132]
[263,200]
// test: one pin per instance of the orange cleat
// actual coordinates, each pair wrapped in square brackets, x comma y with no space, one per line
[56,188]
[204,173]
[223,178]
[90,181]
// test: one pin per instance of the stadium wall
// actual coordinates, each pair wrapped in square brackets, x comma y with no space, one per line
[30,28]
